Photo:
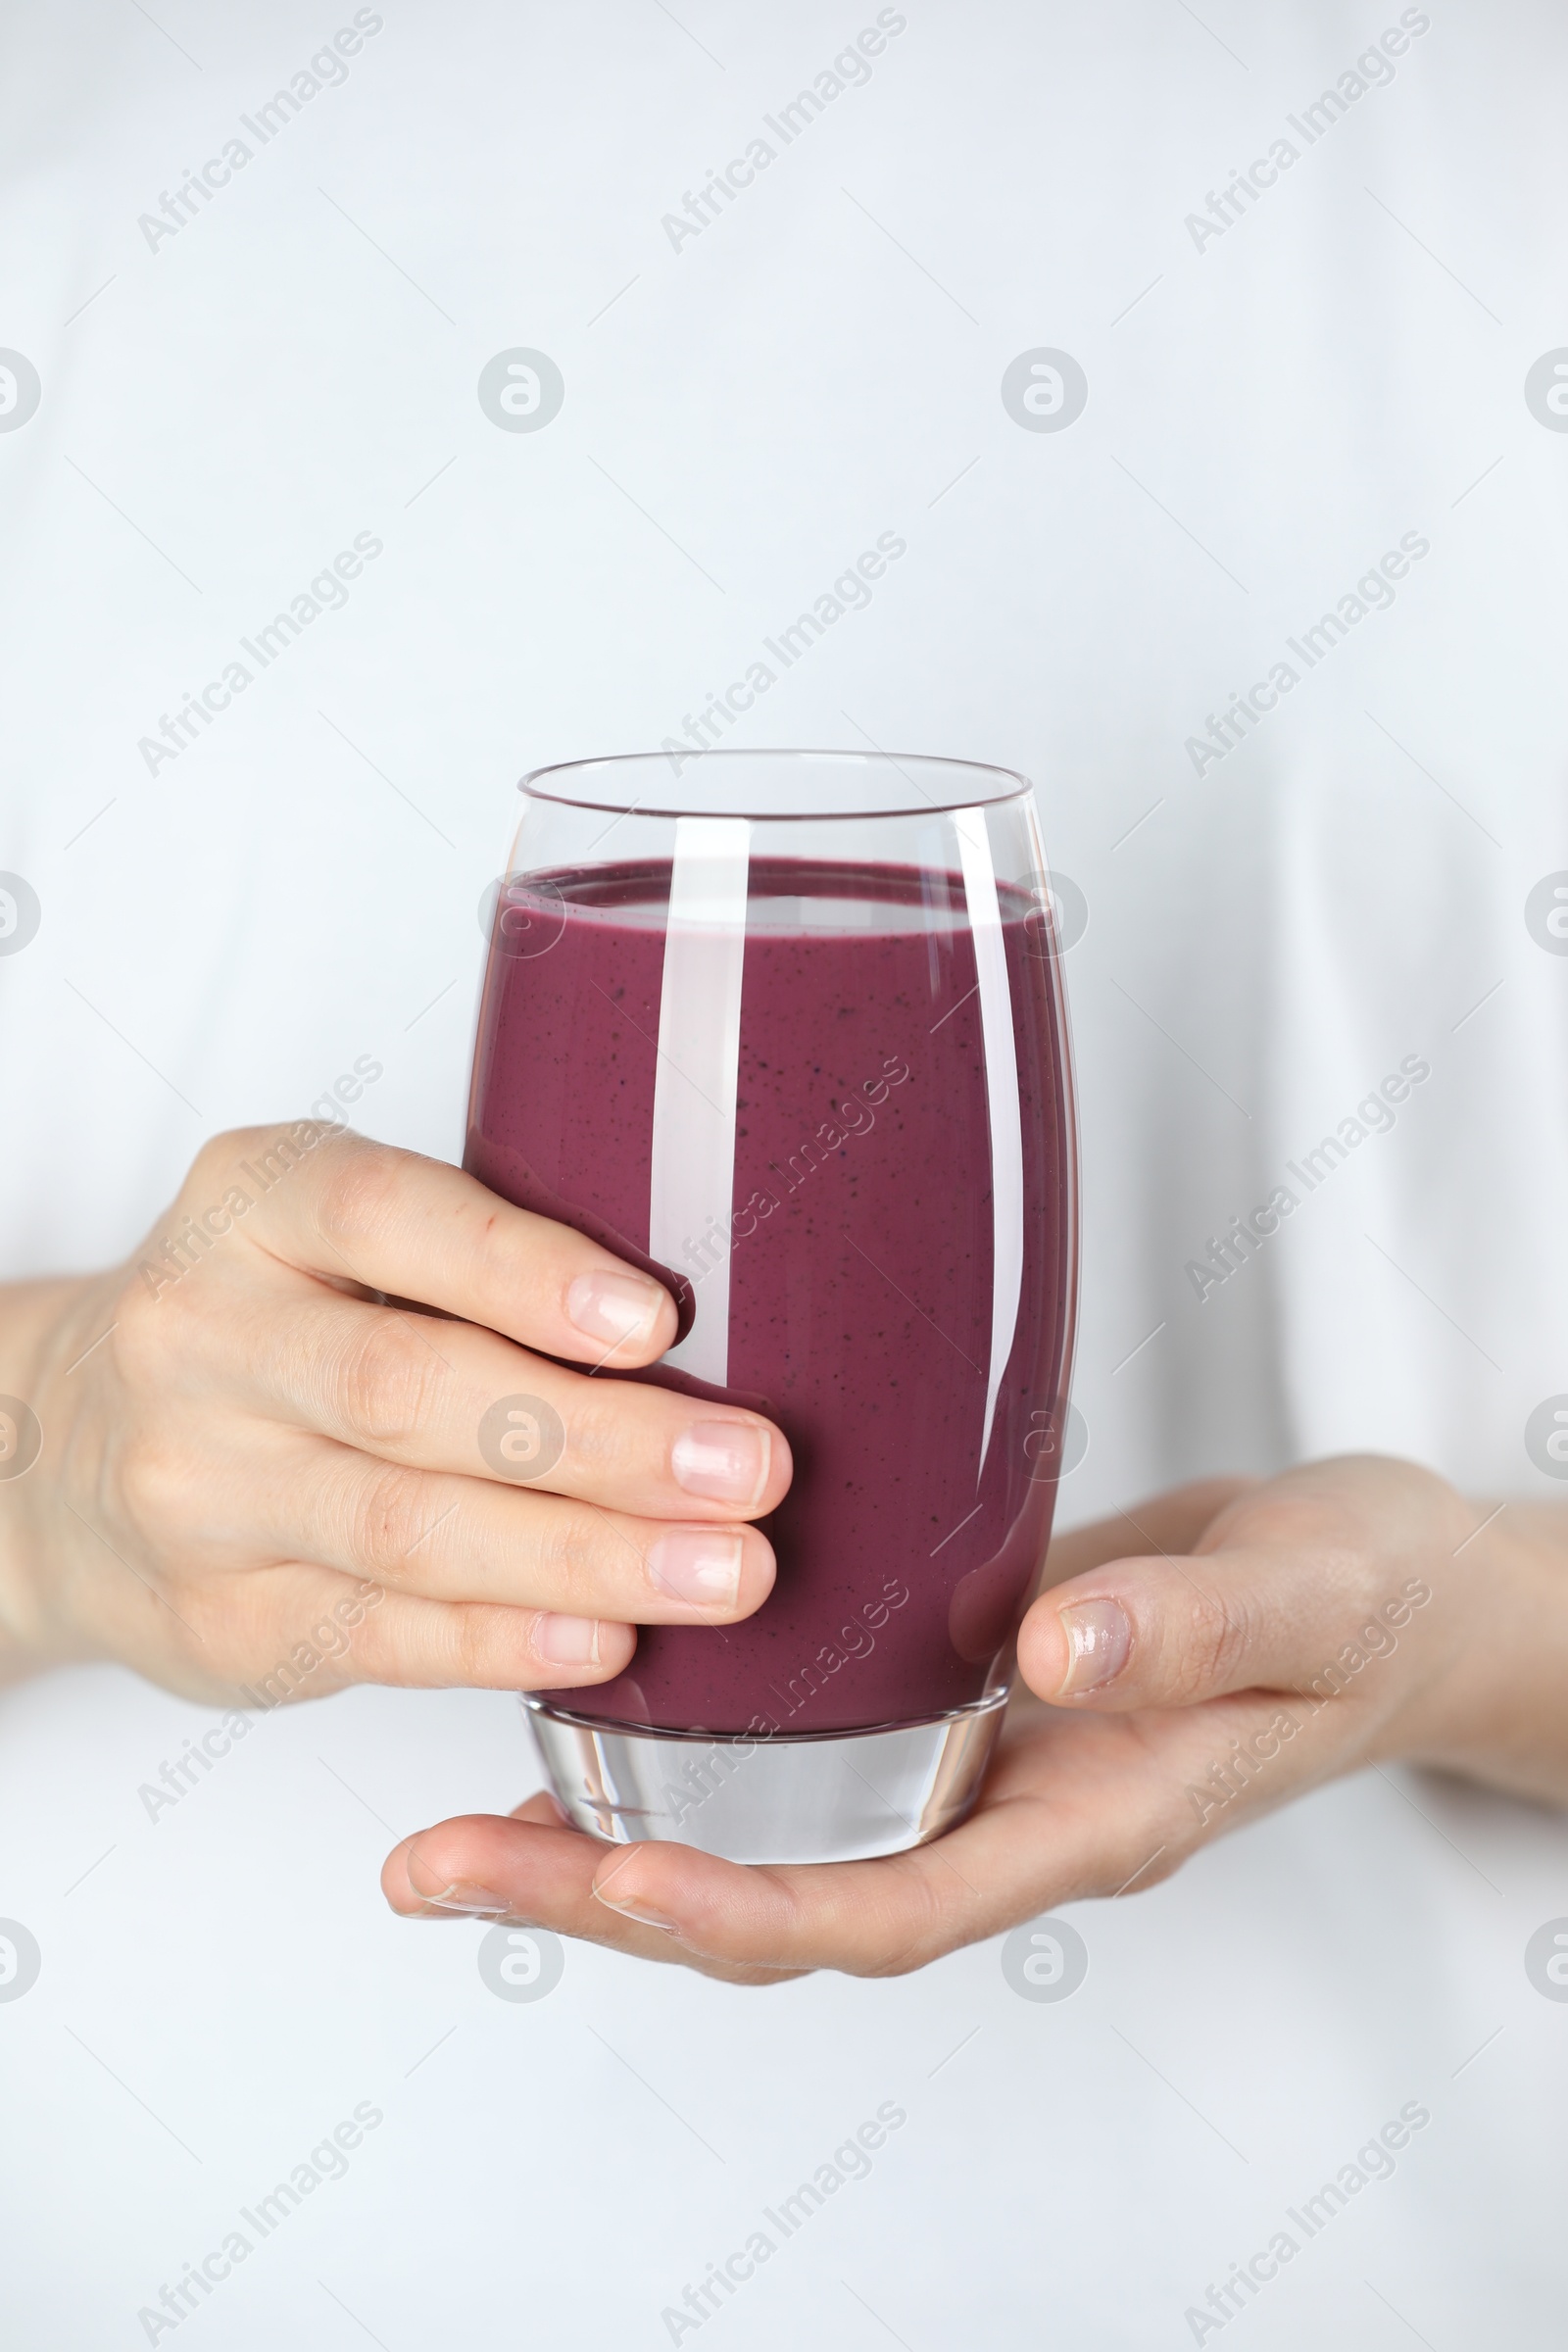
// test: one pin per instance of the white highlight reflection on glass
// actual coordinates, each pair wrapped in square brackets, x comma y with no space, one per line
[1002,1100]
[692,1184]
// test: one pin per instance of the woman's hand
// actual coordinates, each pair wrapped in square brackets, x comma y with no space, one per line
[257,1479]
[1260,1640]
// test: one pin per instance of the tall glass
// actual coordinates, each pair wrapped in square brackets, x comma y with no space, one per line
[787,1030]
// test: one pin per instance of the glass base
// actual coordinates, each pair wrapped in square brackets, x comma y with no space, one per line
[832,1797]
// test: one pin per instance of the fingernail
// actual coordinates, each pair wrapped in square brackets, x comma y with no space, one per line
[568,1641]
[642,1912]
[614,1307]
[724,1461]
[1100,1637]
[698,1563]
[461,1896]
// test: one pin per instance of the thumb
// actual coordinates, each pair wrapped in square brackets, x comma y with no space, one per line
[1166,1631]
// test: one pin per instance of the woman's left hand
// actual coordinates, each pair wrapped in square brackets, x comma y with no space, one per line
[1264,1639]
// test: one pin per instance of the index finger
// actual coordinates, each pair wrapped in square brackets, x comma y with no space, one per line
[1170,1523]
[417,1229]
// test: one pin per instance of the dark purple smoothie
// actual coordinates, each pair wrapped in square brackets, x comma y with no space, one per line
[860,1262]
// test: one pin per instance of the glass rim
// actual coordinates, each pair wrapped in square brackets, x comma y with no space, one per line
[1005,784]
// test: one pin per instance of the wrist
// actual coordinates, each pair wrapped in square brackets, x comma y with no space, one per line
[44,1327]
[1496,1712]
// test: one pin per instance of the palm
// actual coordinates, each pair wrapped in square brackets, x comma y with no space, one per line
[1077,1803]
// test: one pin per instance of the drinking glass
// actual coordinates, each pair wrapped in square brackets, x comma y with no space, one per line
[786,1029]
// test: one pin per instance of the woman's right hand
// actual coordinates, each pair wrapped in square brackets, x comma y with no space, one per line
[249,1461]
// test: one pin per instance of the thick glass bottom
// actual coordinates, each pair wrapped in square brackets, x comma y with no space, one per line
[833,1796]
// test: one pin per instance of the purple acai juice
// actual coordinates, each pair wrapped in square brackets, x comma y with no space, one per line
[861,1249]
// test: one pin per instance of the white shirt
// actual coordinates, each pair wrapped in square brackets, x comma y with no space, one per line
[1286,386]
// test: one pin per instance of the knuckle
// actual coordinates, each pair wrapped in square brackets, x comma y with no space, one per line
[386,1382]
[389,1517]
[155,1308]
[480,1644]
[1218,1637]
[225,1628]
[142,1327]
[927,1924]
[154,1488]
[575,1555]
[754,1974]
[608,1427]
[357,1190]
[214,1163]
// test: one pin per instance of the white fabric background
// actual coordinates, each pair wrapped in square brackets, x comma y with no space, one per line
[300,887]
